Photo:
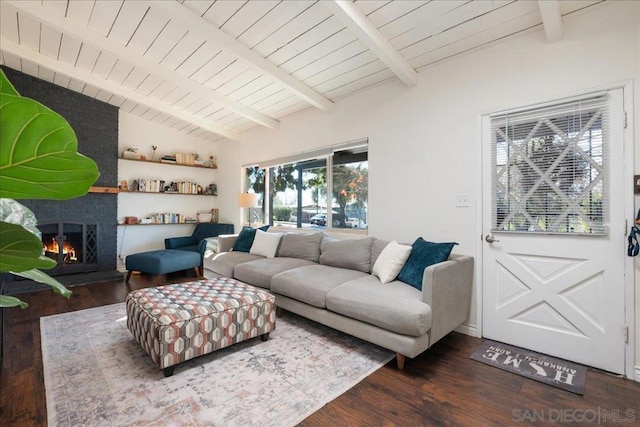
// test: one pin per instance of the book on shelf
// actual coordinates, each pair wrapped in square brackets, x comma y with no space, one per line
[185,159]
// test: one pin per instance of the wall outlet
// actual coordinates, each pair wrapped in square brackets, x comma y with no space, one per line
[463,200]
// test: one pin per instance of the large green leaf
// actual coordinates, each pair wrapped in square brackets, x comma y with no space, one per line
[38,151]
[20,250]
[41,277]
[7,301]
[16,213]
[6,86]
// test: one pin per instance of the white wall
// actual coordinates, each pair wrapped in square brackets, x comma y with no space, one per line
[423,141]
[142,134]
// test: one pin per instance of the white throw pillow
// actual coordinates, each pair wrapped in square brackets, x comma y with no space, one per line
[265,244]
[391,261]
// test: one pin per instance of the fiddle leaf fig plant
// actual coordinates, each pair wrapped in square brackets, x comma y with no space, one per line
[39,159]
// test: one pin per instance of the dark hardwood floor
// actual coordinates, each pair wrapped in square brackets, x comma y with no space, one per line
[440,387]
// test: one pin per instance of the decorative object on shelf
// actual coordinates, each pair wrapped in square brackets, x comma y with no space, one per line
[130,220]
[211,190]
[197,161]
[124,185]
[142,185]
[250,201]
[132,153]
[208,216]
[153,155]
[211,163]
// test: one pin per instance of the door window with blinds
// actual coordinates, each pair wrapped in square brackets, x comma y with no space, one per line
[550,168]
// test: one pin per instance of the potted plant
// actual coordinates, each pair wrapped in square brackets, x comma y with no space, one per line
[38,160]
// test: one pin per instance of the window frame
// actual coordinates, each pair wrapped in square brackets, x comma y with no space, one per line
[314,159]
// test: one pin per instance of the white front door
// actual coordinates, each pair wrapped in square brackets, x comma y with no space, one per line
[553,277]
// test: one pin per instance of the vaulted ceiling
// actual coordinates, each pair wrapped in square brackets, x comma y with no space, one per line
[214,69]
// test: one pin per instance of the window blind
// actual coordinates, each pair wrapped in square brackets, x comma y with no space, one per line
[550,167]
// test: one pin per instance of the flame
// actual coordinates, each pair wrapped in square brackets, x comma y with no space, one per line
[68,251]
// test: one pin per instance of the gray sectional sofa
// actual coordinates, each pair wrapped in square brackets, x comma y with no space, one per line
[330,281]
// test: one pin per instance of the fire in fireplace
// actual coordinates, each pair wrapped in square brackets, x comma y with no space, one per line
[52,250]
[74,247]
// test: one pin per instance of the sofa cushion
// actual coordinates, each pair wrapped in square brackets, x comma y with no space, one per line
[391,261]
[376,249]
[310,284]
[304,246]
[245,238]
[260,271]
[423,254]
[394,306]
[225,262]
[265,244]
[354,254]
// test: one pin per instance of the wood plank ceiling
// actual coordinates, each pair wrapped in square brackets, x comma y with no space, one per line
[214,69]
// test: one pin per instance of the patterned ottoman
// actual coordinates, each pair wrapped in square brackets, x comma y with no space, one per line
[179,322]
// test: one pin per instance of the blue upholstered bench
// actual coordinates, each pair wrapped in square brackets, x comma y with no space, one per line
[163,262]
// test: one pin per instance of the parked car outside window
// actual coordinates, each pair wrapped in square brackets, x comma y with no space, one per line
[319,219]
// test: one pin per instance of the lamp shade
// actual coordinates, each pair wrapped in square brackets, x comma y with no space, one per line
[248,200]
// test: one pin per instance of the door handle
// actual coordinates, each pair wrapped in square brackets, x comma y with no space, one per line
[491,239]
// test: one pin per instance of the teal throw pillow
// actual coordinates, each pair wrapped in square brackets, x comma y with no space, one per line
[245,238]
[423,254]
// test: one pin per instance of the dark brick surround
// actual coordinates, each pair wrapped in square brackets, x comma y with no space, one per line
[96,125]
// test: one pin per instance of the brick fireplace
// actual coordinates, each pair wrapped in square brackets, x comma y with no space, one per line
[87,223]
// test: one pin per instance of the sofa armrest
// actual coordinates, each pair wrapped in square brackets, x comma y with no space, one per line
[178,242]
[447,288]
[226,241]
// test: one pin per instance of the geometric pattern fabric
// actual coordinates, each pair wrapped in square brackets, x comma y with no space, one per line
[178,322]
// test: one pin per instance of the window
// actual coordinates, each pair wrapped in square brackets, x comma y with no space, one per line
[549,168]
[297,191]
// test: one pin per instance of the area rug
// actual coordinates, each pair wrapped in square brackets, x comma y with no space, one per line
[546,369]
[97,374]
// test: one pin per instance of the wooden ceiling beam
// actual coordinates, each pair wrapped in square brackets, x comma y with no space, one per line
[45,14]
[214,35]
[106,85]
[349,14]
[551,19]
